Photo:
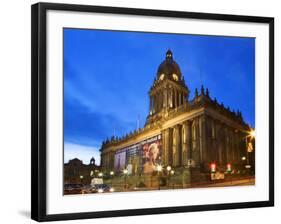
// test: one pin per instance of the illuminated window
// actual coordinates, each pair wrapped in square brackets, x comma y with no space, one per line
[175,77]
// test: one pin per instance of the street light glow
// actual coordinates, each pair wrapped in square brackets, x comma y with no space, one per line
[253,133]
[100,174]
[159,168]
[169,168]
[243,158]
[125,171]
[172,172]
[111,173]
[81,177]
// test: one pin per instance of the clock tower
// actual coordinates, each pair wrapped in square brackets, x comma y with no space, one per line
[169,90]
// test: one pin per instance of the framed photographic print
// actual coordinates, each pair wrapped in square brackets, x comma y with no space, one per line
[139,111]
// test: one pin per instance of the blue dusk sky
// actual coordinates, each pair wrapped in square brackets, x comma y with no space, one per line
[107,76]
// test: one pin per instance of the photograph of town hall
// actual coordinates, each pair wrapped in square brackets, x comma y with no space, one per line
[184,119]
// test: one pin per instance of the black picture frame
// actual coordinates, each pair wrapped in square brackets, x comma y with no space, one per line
[38,108]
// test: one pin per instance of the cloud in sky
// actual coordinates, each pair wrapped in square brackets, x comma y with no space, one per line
[107,76]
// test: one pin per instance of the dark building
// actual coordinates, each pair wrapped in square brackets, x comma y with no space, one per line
[77,172]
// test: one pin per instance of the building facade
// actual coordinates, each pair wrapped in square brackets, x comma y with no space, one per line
[75,171]
[179,132]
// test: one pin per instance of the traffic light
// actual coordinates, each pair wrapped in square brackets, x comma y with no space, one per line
[213,167]
[228,167]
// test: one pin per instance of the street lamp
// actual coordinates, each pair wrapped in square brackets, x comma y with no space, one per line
[253,133]
[100,174]
[249,145]
[172,173]
[81,179]
[125,172]
[159,169]
[111,174]
[168,172]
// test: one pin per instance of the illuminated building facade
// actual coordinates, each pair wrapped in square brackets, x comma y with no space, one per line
[179,132]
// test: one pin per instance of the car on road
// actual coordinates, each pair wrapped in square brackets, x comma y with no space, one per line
[73,188]
[101,188]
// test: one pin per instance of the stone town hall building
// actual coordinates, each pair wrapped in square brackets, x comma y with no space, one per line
[190,133]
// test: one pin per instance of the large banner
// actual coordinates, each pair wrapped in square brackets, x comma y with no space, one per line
[142,157]
[151,154]
[120,160]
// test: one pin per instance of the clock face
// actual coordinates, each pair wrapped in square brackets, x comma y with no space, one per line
[162,76]
[175,77]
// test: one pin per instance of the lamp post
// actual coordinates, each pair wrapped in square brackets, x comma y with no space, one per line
[125,172]
[249,146]
[159,169]
[100,174]
[81,179]
[111,175]
[172,173]
[168,172]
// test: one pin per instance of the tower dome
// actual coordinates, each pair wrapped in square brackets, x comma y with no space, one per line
[169,68]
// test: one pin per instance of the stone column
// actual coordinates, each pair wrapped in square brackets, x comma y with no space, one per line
[184,143]
[236,148]
[174,147]
[157,102]
[175,95]
[188,140]
[111,160]
[227,146]
[165,147]
[172,98]
[195,142]
[213,137]
[218,143]
[165,98]
[160,101]
[232,148]
[177,156]
[203,148]
[180,99]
